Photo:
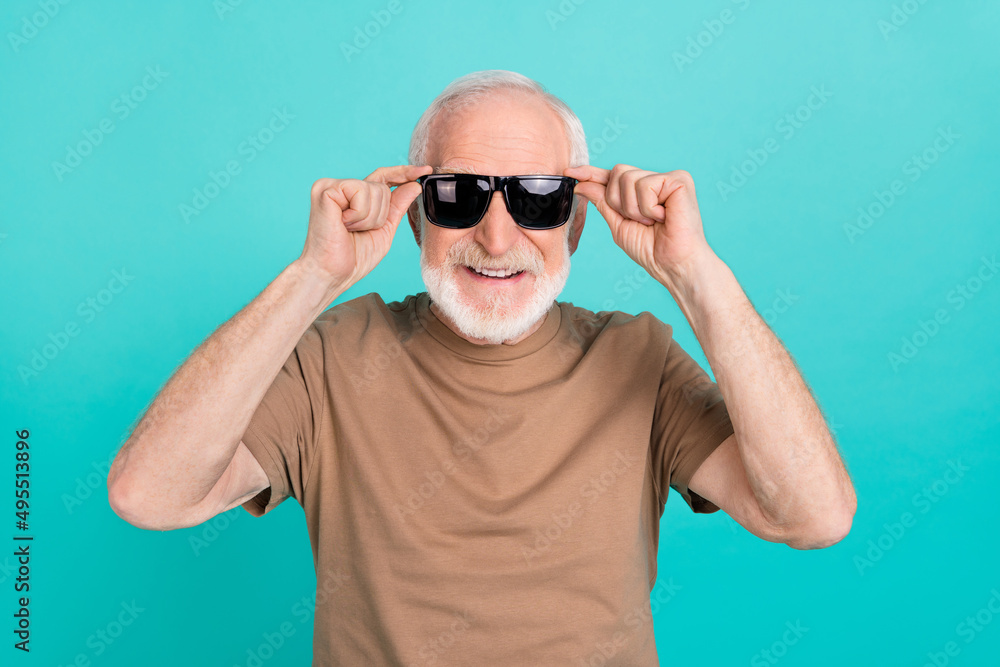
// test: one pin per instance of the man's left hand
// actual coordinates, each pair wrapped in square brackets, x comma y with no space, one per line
[653,217]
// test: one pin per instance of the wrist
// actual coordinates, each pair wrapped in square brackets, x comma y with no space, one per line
[319,287]
[684,280]
[702,286]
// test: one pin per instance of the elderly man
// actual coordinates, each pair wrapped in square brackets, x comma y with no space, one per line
[483,468]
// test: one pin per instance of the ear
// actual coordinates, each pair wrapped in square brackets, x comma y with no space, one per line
[578,219]
[413,216]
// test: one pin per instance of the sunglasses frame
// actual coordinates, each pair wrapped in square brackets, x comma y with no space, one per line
[496,183]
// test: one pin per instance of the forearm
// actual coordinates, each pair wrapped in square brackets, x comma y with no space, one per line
[189,434]
[790,457]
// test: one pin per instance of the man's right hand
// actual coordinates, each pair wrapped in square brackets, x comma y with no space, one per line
[185,461]
[352,222]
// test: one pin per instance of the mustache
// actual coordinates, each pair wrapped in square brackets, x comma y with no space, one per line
[521,257]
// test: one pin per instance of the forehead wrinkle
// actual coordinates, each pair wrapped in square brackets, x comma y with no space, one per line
[502,120]
[469,170]
[524,147]
[457,161]
[526,138]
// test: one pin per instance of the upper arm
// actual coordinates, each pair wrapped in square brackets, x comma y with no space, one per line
[243,479]
[722,479]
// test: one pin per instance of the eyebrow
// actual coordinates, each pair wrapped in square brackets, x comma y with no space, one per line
[466,170]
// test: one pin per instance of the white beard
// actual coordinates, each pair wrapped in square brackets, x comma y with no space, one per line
[497,319]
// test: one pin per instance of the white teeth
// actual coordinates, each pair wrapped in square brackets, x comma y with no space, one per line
[496,273]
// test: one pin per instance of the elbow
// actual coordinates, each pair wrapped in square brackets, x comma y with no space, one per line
[124,503]
[122,497]
[130,507]
[827,527]
[820,539]
[129,497]
[826,532]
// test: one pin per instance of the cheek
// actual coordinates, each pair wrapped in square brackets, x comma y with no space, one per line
[442,242]
[432,249]
[554,254]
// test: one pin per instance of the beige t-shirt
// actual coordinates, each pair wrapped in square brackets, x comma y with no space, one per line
[484,504]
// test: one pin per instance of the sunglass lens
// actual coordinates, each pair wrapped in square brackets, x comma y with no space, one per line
[457,201]
[540,203]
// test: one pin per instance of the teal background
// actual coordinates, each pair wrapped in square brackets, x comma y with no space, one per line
[210,602]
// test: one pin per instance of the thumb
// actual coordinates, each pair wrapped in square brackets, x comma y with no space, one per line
[590,191]
[594,193]
[400,200]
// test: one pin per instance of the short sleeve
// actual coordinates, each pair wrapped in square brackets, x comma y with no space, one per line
[285,426]
[690,421]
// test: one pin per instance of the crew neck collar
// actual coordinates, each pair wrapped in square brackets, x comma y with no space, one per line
[496,352]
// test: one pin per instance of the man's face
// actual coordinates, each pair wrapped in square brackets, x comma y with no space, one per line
[502,135]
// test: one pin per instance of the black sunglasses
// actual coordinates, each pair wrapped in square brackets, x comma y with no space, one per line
[459,201]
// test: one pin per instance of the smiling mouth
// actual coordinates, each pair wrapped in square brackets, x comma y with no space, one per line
[496,274]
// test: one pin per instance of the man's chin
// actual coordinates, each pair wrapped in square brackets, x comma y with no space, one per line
[495,329]
[494,313]
[487,317]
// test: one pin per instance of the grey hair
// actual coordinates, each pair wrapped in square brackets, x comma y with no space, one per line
[467,90]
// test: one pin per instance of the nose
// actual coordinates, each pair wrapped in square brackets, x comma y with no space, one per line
[497,232]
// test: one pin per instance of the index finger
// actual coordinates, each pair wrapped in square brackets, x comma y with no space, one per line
[589,173]
[399,174]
